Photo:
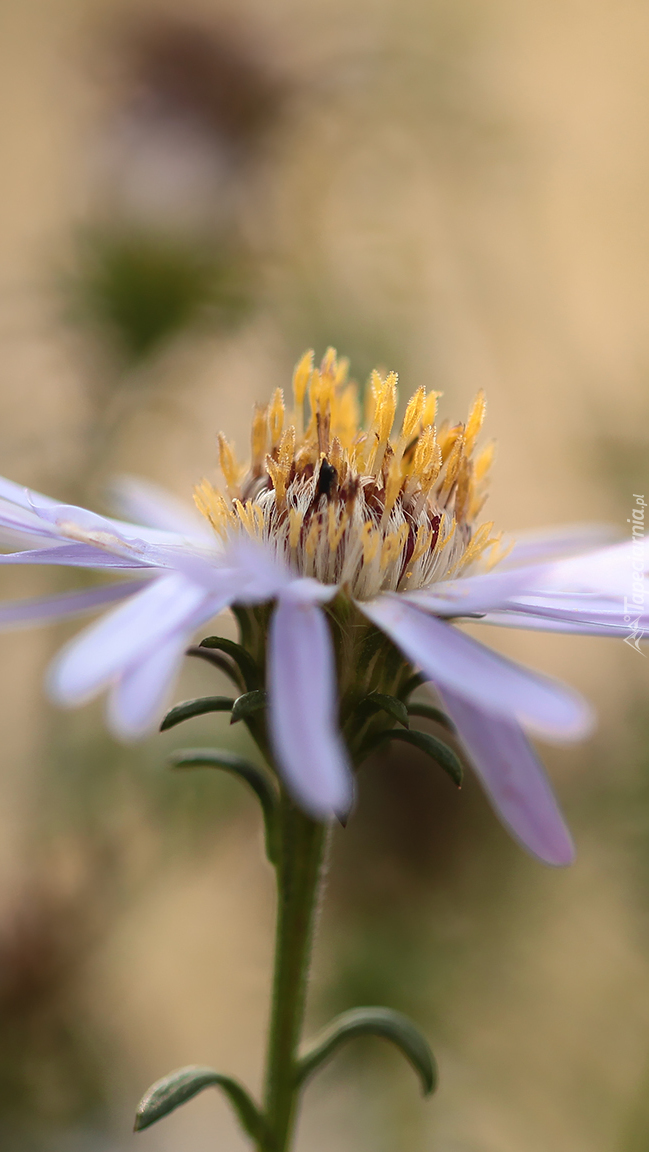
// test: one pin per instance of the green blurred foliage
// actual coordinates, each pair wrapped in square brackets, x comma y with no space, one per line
[140,290]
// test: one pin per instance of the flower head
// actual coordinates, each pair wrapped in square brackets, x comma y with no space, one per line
[355,505]
[350,555]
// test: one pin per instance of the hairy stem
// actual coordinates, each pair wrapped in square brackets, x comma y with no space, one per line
[299,870]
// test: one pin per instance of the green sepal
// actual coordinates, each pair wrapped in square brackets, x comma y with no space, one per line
[241,657]
[380,702]
[218,661]
[254,777]
[429,712]
[248,704]
[197,707]
[179,1086]
[431,745]
[384,1022]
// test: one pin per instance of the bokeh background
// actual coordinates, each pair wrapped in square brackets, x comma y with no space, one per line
[192,194]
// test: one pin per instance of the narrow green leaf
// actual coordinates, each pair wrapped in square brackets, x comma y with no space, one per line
[254,777]
[248,704]
[218,661]
[380,702]
[413,682]
[431,745]
[179,1086]
[242,659]
[384,1022]
[196,708]
[429,712]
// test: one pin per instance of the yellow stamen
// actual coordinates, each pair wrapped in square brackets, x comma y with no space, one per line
[313,537]
[447,438]
[393,546]
[287,450]
[427,459]
[278,478]
[413,415]
[392,487]
[346,417]
[228,462]
[484,460]
[329,365]
[335,532]
[276,417]
[370,540]
[342,371]
[476,547]
[247,514]
[441,544]
[452,468]
[213,507]
[295,520]
[258,439]
[464,490]
[385,404]
[337,458]
[422,543]
[301,378]
[430,408]
[475,422]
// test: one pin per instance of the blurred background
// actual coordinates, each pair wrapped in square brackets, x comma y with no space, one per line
[193,194]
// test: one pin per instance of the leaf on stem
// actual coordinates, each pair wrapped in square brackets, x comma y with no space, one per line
[383,1022]
[380,702]
[241,657]
[179,1086]
[197,707]
[431,745]
[248,704]
[429,712]
[218,661]
[254,777]
[413,682]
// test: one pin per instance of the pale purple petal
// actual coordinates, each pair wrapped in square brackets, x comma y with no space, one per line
[20,495]
[474,594]
[66,517]
[452,659]
[104,650]
[606,614]
[608,572]
[22,526]
[73,556]
[526,621]
[542,544]
[139,699]
[148,504]
[513,779]
[16,613]
[302,712]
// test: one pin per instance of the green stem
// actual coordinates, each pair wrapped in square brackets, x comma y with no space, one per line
[299,870]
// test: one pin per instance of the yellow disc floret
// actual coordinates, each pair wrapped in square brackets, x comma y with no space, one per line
[346,503]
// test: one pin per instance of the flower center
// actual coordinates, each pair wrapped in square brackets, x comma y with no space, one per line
[347,502]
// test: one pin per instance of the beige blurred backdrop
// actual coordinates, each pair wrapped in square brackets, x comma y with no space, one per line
[454,190]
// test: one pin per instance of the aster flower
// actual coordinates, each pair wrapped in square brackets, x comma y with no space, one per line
[350,553]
